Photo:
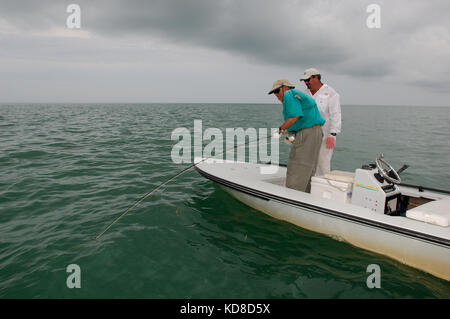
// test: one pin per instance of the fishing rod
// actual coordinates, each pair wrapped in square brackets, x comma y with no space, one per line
[172,178]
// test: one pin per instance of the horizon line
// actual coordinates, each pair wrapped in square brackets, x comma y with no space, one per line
[92,103]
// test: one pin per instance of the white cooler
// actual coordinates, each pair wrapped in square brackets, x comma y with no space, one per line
[336,185]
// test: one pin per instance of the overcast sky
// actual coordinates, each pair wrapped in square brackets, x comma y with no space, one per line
[223,50]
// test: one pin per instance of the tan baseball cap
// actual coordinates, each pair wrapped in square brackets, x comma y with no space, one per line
[308,73]
[279,83]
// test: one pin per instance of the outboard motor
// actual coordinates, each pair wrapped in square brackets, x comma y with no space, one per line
[375,188]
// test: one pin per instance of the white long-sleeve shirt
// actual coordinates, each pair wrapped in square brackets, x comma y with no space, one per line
[328,102]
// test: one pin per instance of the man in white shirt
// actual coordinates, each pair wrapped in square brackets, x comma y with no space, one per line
[329,105]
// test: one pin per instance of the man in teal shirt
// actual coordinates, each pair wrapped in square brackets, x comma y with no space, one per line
[301,117]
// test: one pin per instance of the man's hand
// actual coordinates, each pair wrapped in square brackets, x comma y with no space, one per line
[281,131]
[331,142]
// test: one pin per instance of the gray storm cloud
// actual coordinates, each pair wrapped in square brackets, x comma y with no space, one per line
[411,47]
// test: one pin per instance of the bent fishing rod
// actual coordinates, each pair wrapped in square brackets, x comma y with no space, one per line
[171,179]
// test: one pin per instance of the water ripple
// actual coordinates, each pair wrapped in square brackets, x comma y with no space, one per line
[67,171]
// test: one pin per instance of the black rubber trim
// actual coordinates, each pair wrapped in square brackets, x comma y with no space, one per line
[268,196]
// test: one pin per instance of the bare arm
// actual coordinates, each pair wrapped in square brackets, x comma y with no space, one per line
[289,122]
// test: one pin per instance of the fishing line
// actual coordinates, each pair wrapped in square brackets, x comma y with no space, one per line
[166,182]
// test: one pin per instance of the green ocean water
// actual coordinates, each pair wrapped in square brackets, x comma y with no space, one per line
[68,170]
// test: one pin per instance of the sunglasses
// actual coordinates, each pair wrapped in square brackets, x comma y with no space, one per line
[307,80]
[277,91]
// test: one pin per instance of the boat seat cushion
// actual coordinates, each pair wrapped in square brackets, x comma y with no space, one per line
[436,212]
[340,176]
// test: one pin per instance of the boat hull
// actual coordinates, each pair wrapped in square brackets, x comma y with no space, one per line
[430,257]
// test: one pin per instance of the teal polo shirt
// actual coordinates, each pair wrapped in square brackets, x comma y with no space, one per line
[296,103]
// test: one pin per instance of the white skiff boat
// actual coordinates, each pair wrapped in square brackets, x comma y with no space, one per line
[369,208]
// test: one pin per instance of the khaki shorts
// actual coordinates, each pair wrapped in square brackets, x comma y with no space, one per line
[303,158]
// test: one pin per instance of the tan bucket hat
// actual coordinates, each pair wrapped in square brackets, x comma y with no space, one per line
[279,83]
[308,73]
